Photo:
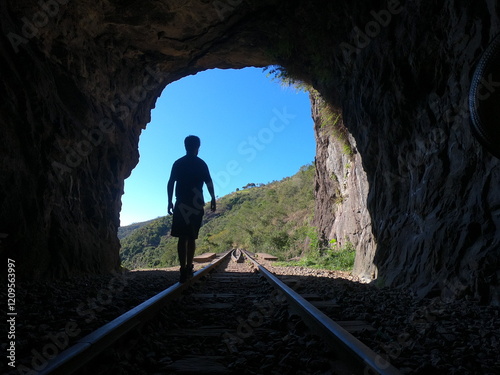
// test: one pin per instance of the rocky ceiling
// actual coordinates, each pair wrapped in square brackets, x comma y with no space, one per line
[79,79]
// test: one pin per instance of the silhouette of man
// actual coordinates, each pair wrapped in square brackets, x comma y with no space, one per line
[188,174]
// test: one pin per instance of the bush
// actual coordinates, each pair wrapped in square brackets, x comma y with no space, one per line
[333,258]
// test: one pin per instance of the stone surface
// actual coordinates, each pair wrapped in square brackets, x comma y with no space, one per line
[341,190]
[433,196]
[79,80]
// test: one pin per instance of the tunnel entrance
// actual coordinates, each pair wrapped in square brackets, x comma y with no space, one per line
[253,130]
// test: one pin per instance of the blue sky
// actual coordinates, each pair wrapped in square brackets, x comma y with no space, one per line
[252,129]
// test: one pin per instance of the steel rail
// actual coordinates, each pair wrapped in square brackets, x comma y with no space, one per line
[88,347]
[360,356]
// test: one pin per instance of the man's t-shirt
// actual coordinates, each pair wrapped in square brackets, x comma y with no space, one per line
[190,172]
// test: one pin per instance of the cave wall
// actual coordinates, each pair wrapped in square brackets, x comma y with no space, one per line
[80,78]
[433,189]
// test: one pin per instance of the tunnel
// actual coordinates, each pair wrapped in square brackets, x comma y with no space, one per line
[79,81]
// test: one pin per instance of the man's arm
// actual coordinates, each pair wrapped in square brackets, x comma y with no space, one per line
[210,187]
[170,193]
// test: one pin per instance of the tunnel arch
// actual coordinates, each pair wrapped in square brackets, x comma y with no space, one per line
[79,76]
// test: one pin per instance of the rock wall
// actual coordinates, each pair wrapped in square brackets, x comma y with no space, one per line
[341,189]
[433,196]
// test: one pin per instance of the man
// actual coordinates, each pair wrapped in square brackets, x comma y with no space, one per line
[188,174]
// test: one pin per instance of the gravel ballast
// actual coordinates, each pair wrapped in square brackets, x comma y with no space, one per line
[419,336]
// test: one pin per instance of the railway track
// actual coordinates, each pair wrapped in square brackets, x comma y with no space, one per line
[232,317]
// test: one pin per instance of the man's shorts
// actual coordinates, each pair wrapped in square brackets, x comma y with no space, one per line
[186,221]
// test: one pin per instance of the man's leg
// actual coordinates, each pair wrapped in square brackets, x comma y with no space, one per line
[191,247]
[182,251]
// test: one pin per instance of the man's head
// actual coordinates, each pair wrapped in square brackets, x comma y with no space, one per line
[192,144]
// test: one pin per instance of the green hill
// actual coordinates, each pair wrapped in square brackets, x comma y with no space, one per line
[275,218]
[128,229]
